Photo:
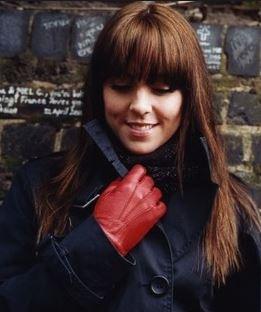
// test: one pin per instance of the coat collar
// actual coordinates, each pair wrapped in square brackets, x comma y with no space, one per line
[102,177]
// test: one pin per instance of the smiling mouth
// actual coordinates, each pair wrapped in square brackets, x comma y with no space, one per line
[140,126]
[141,131]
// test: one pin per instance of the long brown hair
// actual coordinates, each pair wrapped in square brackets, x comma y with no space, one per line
[144,42]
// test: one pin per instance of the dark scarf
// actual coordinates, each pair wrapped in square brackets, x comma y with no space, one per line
[161,163]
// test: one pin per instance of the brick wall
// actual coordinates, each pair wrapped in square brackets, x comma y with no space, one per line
[45,47]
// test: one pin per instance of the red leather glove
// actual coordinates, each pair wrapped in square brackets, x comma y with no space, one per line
[128,208]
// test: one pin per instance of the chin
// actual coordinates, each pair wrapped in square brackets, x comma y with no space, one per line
[140,150]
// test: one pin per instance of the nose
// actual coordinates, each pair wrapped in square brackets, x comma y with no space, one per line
[141,101]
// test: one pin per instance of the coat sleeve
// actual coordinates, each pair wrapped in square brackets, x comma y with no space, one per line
[79,270]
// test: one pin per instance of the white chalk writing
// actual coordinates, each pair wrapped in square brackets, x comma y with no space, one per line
[60,102]
[212,52]
[56,24]
[242,45]
[88,30]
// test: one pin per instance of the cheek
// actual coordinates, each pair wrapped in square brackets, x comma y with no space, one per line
[171,110]
[113,104]
[175,105]
[110,105]
[113,112]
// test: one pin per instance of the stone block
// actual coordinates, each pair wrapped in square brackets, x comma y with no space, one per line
[23,141]
[256,152]
[27,102]
[85,31]
[69,137]
[234,149]
[257,196]
[256,149]
[218,104]
[243,49]
[244,109]
[13,32]
[211,43]
[50,35]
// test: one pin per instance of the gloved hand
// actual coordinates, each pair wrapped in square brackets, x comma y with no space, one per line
[128,208]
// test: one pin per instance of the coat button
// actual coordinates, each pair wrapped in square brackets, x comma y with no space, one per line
[159,285]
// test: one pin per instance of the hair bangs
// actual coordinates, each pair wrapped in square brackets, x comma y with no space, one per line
[139,53]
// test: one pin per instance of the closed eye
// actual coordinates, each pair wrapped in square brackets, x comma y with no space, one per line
[127,88]
[161,91]
[124,88]
[121,87]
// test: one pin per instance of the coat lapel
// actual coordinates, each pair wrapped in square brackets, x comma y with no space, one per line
[187,215]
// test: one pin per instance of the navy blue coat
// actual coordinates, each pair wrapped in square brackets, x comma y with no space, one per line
[83,272]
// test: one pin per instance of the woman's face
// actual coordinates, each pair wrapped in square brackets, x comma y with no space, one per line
[142,116]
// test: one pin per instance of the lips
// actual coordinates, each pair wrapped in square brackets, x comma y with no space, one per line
[141,126]
[141,129]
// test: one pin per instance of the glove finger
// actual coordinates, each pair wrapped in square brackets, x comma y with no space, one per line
[112,186]
[141,190]
[145,186]
[160,209]
[136,173]
[155,195]
[151,199]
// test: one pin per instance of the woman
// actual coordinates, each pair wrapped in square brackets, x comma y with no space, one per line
[175,231]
